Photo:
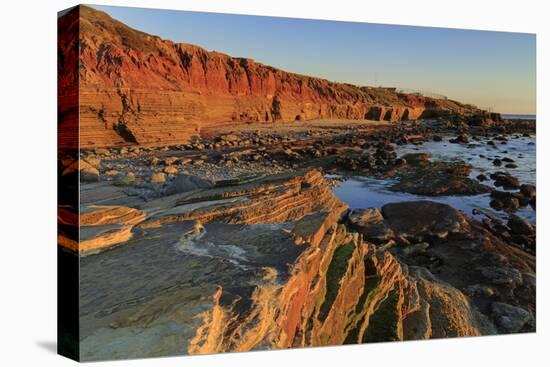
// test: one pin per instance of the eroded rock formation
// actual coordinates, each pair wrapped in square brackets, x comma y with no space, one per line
[273,261]
[341,289]
[138,88]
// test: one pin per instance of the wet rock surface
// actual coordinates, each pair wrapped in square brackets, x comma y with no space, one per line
[424,177]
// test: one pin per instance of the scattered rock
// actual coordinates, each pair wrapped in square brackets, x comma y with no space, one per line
[461,139]
[481,178]
[158,177]
[171,170]
[527,190]
[507,201]
[519,225]
[102,151]
[505,180]
[232,138]
[510,318]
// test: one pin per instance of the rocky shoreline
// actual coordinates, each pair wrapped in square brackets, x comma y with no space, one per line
[273,259]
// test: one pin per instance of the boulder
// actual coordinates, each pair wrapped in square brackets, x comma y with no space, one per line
[423,219]
[529,191]
[505,180]
[519,225]
[508,201]
[510,318]
[370,223]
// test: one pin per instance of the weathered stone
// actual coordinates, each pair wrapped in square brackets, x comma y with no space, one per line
[423,219]
[520,226]
[481,177]
[370,223]
[102,151]
[461,139]
[501,275]
[505,180]
[508,201]
[510,318]
[184,183]
[527,190]
[171,170]
[158,177]
[438,178]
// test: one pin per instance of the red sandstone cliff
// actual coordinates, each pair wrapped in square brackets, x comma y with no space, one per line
[135,87]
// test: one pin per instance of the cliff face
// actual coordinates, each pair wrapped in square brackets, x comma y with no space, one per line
[138,88]
[67,81]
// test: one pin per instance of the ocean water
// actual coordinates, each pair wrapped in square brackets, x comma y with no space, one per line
[525,117]
[364,192]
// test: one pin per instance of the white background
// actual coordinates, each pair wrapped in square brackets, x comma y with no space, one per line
[28,191]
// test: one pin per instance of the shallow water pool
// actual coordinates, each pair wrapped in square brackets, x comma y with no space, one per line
[364,192]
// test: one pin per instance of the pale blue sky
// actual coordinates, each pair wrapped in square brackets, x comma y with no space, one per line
[489,69]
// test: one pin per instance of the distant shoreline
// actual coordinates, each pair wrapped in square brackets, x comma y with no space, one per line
[518,116]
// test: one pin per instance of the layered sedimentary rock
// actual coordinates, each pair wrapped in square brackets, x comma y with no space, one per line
[341,289]
[139,88]
[273,199]
[272,261]
[157,281]
[67,82]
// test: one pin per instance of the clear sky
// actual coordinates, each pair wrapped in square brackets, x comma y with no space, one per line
[489,69]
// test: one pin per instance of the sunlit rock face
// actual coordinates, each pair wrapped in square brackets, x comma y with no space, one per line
[237,241]
[274,261]
[137,88]
[344,290]
[349,294]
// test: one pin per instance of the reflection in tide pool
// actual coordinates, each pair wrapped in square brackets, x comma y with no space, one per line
[365,192]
